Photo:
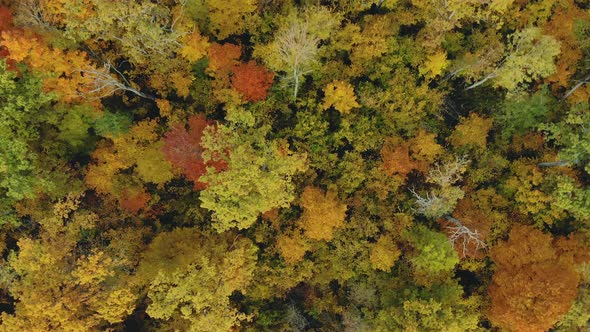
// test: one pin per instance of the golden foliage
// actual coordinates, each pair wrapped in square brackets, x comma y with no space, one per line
[194,46]
[341,96]
[533,286]
[322,213]
[472,130]
[434,65]
[384,253]
[292,248]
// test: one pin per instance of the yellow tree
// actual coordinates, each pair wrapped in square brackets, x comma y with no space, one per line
[229,17]
[322,213]
[56,287]
[190,276]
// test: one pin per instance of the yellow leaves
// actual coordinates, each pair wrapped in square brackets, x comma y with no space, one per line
[194,46]
[152,166]
[435,64]
[229,17]
[340,95]
[292,248]
[472,130]
[119,304]
[165,107]
[93,269]
[62,69]
[182,82]
[384,253]
[500,5]
[139,148]
[424,146]
[322,213]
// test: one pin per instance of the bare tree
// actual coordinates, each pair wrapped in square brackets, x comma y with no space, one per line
[298,49]
[459,233]
[103,84]
[440,201]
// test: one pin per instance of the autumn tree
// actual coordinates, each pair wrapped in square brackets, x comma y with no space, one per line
[229,17]
[183,149]
[191,275]
[59,286]
[322,213]
[533,285]
[258,176]
[251,80]
[442,200]
[296,44]
[471,131]
[139,150]
[530,56]
[340,95]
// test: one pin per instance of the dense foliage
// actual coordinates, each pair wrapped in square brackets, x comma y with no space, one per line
[282,165]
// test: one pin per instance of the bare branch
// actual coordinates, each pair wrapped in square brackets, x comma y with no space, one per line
[575,87]
[458,233]
[102,84]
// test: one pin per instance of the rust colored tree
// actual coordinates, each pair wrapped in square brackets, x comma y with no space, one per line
[534,284]
[182,148]
[251,80]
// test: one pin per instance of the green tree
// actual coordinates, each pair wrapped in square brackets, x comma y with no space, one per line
[23,106]
[258,176]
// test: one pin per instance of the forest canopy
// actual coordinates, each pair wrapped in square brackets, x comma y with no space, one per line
[294,165]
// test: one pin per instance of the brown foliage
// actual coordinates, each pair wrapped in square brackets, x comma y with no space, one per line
[533,285]
[476,221]
[133,202]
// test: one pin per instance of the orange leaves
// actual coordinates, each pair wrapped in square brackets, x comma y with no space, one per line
[396,158]
[474,219]
[322,213]
[251,80]
[533,286]
[562,26]
[63,69]
[401,157]
[223,57]
[133,202]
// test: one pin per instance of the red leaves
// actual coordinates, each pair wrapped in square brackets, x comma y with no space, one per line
[251,80]
[5,24]
[5,19]
[183,150]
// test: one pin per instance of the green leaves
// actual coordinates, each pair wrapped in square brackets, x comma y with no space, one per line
[433,256]
[22,109]
[258,177]
[531,57]
[112,124]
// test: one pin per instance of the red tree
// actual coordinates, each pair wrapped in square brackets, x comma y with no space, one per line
[5,24]
[251,80]
[182,148]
